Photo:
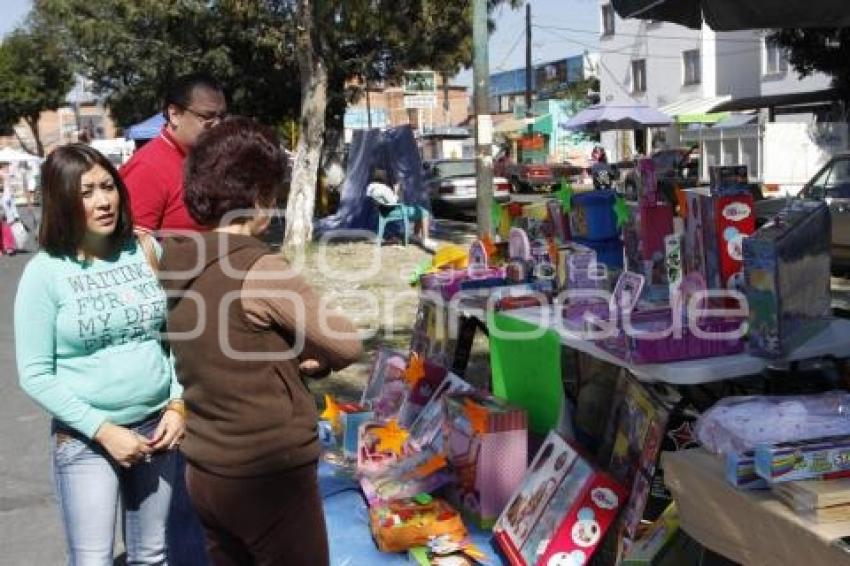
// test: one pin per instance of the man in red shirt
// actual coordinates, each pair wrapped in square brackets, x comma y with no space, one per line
[154,175]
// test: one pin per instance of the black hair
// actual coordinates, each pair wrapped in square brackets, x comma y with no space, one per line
[179,92]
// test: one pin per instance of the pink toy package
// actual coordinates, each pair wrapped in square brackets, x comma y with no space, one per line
[561,511]
[487,446]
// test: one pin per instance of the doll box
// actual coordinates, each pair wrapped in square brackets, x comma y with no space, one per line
[560,512]
[486,443]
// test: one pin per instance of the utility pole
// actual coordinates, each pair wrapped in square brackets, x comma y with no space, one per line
[483,120]
[528,70]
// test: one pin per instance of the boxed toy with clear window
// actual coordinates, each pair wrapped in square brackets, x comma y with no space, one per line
[386,388]
[560,512]
[787,272]
[487,446]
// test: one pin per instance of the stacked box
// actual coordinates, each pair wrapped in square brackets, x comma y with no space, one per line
[804,459]
[741,471]
[701,238]
[787,276]
[486,444]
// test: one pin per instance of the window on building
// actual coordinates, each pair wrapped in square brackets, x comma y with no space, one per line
[639,76]
[607,19]
[691,62]
[773,62]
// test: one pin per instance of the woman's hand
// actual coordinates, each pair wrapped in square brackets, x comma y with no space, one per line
[313,368]
[125,446]
[169,432]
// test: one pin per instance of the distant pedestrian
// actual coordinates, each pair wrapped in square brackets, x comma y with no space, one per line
[89,313]
[251,440]
[9,211]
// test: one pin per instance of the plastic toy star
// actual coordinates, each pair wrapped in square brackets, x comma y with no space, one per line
[621,211]
[415,370]
[331,412]
[391,437]
[477,416]
[565,195]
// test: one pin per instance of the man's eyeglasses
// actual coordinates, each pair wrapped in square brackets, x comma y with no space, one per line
[207,120]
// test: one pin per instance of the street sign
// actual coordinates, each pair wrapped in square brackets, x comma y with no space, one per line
[420,82]
[420,100]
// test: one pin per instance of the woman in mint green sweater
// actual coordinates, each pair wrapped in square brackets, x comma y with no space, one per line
[88,316]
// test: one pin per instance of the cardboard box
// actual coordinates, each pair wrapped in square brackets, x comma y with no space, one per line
[561,511]
[804,459]
[486,443]
[787,273]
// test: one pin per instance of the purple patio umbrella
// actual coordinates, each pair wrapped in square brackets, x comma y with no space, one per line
[603,117]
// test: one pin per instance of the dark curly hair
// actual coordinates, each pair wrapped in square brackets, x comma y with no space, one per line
[234,166]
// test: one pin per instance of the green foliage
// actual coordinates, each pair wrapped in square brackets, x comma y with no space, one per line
[132,49]
[35,75]
[825,50]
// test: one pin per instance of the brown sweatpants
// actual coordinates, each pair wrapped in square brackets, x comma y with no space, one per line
[263,521]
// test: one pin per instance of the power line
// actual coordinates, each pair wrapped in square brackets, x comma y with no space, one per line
[621,51]
[650,36]
[501,65]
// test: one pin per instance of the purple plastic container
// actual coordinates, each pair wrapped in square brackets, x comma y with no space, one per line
[637,346]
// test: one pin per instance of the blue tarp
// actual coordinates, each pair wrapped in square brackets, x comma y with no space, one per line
[393,150]
[146,130]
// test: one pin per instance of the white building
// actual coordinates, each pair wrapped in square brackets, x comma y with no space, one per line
[698,76]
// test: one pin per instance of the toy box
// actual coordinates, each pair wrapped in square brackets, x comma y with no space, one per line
[787,273]
[405,523]
[577,268]
[734,219]
[386,388]
[426,429]
[741,471]
[380,446]
[486,444]
[608,252]
[592,216]
[560,512]
[654,223]
[415,473]
[804,459]
[351,416]
[632,444]
[649,548]
[446,551]
[701,254]
[420,390]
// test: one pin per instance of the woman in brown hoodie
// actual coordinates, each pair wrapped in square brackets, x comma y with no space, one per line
[245,328]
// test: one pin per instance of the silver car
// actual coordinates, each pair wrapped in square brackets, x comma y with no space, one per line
[451,185]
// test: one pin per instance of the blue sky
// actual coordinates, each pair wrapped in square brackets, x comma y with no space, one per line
[507,43]
[14,12]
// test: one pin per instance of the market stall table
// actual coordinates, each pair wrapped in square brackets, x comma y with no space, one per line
[749,527]
[832,341]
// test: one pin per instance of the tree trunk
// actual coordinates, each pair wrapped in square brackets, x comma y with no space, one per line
[308,152]
[32,122]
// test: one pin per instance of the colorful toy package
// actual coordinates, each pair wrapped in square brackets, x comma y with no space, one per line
[803,459]
[787,272]
[701,255]
[380,446]
[414,473]
[561,511]
[426,429]
[487,446]
[351,416]
[386,388]
[423,378]
[741,471]
[649,548]
[592,216]
[445,551]
[632,444]
[402,524]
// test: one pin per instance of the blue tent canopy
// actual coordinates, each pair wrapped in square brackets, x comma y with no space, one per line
[147,129]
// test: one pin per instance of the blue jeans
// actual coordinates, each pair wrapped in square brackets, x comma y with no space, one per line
[89,486]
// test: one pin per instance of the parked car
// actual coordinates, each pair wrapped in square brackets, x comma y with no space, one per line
[451,185]
[832,185]
[679,166]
